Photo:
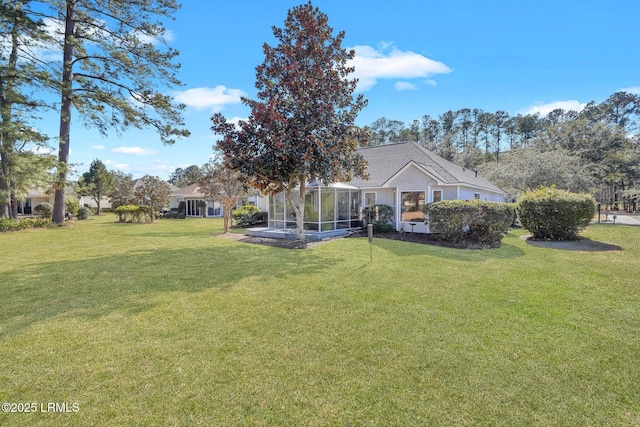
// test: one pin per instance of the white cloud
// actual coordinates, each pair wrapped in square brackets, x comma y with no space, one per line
[372,65]
[202,98]
[545,109]
[167,36]
[402,86]
[134,150]
[119,166]
[43,150]
[97,147]
[633,89]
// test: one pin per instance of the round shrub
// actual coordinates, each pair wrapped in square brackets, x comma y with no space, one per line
[45,209]
[83,213]
[473,221]
[550,213]
[71,205]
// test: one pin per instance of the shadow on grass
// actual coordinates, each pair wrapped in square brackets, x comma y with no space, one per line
[581,244]
[130,282]
[400,248]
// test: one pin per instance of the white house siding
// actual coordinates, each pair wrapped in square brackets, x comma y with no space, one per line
[467,193]
[384,196]
[448,193]
[412,178]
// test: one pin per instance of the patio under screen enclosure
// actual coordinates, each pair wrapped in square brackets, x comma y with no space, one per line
[329,211]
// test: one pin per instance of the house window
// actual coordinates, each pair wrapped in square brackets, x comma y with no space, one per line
[476,196]
[369,199]
[437,195]
[412,205]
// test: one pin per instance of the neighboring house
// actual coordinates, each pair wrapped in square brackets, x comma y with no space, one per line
[404,176]
[35,196]
[32,199]
[192,195]
[90,202]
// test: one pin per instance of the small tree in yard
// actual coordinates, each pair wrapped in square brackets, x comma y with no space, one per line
[122,191]
[228,186]
[97,183]
[302,127]
[152,192]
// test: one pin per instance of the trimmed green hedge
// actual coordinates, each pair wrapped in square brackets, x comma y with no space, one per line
[133,213]
[245,215]
[550,213]
[8,224]
[472,221]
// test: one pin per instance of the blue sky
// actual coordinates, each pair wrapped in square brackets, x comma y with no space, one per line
[413,58]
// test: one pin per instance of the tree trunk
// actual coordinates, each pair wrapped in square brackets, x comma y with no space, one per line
[65,117]
[13,210]
[298,206]
[6,138]
[226,218]
[5,199]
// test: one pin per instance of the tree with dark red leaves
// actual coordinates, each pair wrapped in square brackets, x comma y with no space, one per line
[301,128]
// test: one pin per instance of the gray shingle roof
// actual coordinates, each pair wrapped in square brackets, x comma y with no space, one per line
[387,160]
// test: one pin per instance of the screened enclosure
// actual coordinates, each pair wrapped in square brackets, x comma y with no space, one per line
[325,208]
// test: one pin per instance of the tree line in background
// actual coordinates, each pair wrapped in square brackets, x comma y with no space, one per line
[596,150]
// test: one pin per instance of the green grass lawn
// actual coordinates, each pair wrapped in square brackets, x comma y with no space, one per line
[164,324]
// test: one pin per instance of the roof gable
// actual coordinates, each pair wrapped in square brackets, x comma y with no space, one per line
[386,161]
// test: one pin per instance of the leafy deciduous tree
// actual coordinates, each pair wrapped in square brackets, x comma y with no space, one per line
[152,192]
[302,126]
[122,190]
[228,186]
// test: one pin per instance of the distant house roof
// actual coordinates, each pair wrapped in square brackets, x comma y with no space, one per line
[189,191]
[385,161]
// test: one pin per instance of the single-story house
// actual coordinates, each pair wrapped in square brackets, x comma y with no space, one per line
[404,176]
[35,196]
[192,196]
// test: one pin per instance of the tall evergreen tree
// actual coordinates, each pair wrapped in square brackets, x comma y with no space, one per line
[19,32]
[97,183]
[115,60]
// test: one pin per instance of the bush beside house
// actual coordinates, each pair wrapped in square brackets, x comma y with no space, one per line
[381,216]
[554,214]
[44,209]
[474,222]
[249,215]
